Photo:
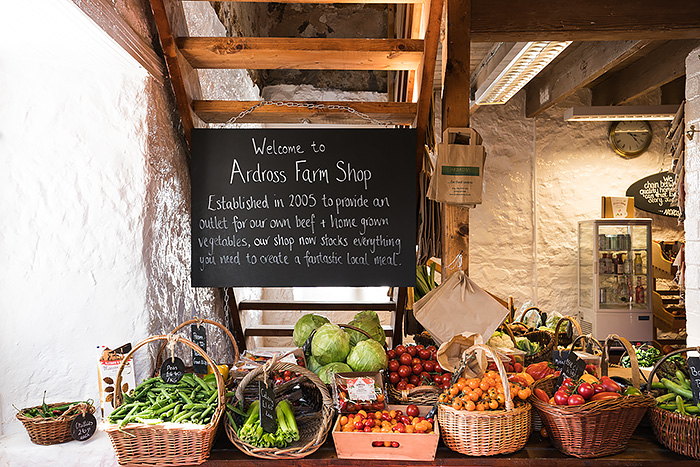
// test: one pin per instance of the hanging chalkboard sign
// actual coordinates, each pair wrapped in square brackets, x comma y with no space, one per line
[268,420]
[559,357]
[573,367]
[172,370]
[694,367]
[83,427]
[303,207]
[655,193]
[199,337]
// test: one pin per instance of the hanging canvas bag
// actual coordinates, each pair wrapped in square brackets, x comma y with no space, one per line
[459,171]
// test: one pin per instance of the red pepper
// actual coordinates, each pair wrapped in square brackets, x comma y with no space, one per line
[539,370]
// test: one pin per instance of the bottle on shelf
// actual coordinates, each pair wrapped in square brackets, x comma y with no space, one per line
[609,265]
[619,264]
[638,264]
[628,265]
[639,296]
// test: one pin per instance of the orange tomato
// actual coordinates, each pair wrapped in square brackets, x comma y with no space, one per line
[493,375]
[501,398]
[524,393]
[343,420]
[493,405]
[473,396]
[462,380]
[480,407]
[470,406]
[410,429]
[473,383]
[479,392]
[460,385]
[454,390]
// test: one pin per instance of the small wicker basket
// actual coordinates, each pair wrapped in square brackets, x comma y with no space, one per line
[312,430]
[420,395]
[560,337]
[490,432]
[544,338]
[46,431]
[679,433]
[597,428]
[139,444]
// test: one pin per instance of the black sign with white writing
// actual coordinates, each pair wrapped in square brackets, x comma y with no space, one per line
[559,357]
[83,427]
[654,194]
[172,370]
[303,207]
[268,420]
[199,337]
[694,368]
[573,368]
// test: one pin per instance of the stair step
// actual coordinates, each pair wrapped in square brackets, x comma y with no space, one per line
[285,330]
[390,113]
[301,53]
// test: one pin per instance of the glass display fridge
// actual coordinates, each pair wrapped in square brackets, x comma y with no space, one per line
[614,278]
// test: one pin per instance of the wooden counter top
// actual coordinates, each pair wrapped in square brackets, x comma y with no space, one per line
[643,450]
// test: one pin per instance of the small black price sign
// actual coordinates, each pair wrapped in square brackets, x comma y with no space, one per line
[573,368]
[559,357]
[83,427]
[694,368]
[172,370]
[199,337]
[268,421]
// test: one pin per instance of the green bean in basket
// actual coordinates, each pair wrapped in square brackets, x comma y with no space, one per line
[191,400]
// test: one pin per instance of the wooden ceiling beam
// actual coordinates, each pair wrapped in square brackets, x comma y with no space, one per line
[270,53]
[655,69]
[387,2]
[592,20]
[392,113]
[578,68]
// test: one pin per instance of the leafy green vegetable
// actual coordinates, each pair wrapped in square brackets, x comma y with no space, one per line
[305,326]
[312,364]
[527,346]
[646,356]
[367,355]
[330,344]
[368,321]
[326,372]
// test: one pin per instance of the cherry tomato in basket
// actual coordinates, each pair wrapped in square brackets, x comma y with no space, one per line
[429,366]
[394,377]
[424,354]
[561,398]
[586,390]
[576,399]
[400,349]
[411,349]
[404,371]
[390,354]
[393,365]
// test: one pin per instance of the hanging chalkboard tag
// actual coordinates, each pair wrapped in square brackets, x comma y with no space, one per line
[83,427]
[172,370]
[199,337]
[573,368]
[268,421]
[559,357]
[694,367]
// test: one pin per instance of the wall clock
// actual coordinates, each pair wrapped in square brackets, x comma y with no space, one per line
[630,138]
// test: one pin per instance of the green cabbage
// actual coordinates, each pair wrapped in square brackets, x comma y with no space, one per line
[326,372]
[312,364]
[368,321]
[330,344]
[367,355]
[305,326]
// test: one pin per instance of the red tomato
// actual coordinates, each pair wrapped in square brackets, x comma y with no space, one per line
[411,349]
[405,420]
[446,378]
[412,410]
[377,444]
[437,379]
[414,380]
[424,354]
[359,425]
[416,360]
[400,349]
[610,385]
[394,377]
[445,386]
[598,388]
[393,365]
[429,366]
[586,390]
[394,444]
[410,386]
[406,359]
[432,348]
[576,399]
[370,422]
[287,373]
[420,347]
[437,368]
[561,398]
[399,428]
[367,429]
[404,371]
[541,395]
[390,354]
[417,369]
[425,377]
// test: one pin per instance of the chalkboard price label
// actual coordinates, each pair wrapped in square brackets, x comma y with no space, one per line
[83,427]
[268,420]
[573,367]
[559,357]
[694,368]
[199,337]
[303,207]
[172,370]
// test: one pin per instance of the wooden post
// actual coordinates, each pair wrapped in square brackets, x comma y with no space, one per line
[455,113]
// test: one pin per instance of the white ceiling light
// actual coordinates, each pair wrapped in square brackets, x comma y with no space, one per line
[522,62]
[620,113]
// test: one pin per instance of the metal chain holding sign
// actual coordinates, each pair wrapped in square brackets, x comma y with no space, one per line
[310,106]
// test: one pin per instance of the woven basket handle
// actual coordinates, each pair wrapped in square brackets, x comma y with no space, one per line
[501,371]
[664,358]
[630,350]
[586,338]
[509,331]
[565,319]
[236,354]
[219,379]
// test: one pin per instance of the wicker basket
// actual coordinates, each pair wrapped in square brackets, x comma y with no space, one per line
[544,338]
[56,430]
[168,444]
[679,433]
[594,429]
[490,432]
[560,338]
[312,430]
[420,395]
[231,381]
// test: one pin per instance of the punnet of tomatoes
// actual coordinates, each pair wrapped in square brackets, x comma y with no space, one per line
[411,366]
[483,394]
[588,388]
[387,421]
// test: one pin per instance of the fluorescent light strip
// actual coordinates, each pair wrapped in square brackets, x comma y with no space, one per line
[528,59]
[603,113]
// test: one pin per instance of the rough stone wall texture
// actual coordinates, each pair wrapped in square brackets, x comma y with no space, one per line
[692,200]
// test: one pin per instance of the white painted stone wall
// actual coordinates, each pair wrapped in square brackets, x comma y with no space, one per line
[692,201]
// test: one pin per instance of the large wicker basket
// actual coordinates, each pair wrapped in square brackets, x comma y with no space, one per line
[490,432]
[199,321]
[166,444]
[312,429]
[56,430]
[598,428]
[544,338]
[679,433]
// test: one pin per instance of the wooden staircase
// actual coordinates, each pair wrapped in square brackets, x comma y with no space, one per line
[412,54]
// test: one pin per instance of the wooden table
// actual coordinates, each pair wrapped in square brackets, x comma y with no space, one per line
[642,451]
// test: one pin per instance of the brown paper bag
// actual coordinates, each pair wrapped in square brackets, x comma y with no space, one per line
[459,170]
[456,306]
[450,354]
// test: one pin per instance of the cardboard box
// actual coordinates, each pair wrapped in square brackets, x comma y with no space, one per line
[108,363]
[612,206]
[412,446]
